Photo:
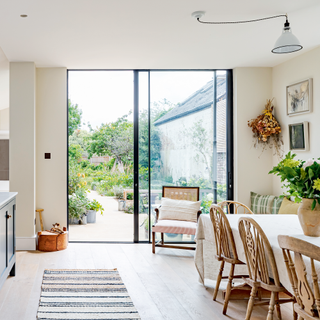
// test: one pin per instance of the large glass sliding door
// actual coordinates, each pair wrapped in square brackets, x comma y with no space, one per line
[154,129]
[188,141]
[101,146]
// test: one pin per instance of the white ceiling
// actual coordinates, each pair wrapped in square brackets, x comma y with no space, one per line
[119,34]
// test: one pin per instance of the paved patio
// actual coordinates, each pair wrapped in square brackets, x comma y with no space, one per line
[113,225]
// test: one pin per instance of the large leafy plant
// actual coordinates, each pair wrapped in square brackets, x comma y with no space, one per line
[302,178]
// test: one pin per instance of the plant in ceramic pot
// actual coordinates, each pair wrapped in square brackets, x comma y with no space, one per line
[92,208]
[302,180]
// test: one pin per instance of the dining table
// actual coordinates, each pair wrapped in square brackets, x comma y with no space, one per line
[272,225]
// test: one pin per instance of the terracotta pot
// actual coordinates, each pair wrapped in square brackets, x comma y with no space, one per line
[309,219]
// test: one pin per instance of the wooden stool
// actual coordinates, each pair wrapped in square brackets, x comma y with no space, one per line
[40,216]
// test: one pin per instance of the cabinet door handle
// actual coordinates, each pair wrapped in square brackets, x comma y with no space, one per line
[9,216]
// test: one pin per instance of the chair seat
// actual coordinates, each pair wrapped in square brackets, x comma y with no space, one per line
[175,226]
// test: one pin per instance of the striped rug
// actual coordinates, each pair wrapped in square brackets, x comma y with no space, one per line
[85,295]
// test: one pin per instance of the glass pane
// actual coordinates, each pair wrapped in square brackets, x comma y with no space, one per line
[100,155]
[188,135]
[144,156]
[221,125]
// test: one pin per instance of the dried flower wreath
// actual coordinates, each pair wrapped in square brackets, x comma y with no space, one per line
[267,130]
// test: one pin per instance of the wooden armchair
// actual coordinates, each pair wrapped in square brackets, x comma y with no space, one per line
[307,304]
[179,226]
[235,207]
[262,268]
[225,251]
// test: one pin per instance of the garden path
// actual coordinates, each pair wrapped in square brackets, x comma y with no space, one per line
[113,225]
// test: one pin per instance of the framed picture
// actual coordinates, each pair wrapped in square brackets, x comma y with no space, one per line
[299,97]
[299,136]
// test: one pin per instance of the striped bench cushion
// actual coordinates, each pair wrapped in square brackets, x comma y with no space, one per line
[261,204]
[174,226]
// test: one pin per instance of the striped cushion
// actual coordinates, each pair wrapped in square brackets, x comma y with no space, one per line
[276,205]
[261,204]
[174,226]
[184,210]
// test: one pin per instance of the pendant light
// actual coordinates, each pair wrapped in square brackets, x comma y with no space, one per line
[286,43]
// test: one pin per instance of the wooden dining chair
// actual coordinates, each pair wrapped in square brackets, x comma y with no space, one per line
[307,304]
[225,251]
[230,206]
[262,268]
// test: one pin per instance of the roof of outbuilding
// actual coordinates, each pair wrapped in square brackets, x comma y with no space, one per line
[199,100]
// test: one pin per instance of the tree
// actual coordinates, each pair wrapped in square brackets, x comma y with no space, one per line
[201,141]
[158,110]
[80,137]
[74,121]
[114,139]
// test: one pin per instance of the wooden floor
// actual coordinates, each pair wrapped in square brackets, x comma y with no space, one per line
[162,286]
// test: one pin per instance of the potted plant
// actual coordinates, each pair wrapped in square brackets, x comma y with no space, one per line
[77,208]
[118,193]
[92,208]
[302,180]
[94,185]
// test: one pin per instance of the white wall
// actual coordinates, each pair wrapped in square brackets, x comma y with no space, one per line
[4,81]
[252,87]
[51,174]
[300,68]
[179,157]
[22,149]
[4,119]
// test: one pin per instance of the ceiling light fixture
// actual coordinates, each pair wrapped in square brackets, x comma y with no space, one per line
[286,43]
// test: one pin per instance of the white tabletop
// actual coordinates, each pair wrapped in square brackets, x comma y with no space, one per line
[272,225]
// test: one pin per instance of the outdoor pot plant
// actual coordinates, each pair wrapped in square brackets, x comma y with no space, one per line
[92,208]
[302,180]
[77,207]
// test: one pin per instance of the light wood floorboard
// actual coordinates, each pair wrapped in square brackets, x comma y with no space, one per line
[162,286]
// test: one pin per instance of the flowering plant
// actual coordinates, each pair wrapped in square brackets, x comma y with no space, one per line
[302,177]
[266,129]
[94,205]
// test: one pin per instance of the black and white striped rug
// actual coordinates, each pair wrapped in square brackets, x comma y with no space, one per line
[85,295]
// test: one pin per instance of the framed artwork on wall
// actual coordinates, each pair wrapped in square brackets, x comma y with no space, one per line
[299,97]
[299,136]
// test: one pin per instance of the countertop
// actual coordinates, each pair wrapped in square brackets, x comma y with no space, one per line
[5,197]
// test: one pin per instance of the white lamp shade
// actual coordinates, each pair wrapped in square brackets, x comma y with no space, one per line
[287,42]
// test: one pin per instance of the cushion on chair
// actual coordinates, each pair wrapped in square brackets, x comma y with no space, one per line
[261,204]
[172,209]
[175,226]
[288,207]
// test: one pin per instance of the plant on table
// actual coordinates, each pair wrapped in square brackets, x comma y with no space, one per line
[302,178]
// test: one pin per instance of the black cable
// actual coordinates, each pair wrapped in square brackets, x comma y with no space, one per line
[243,21]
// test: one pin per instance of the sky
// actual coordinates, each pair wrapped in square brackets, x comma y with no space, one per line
[104,96]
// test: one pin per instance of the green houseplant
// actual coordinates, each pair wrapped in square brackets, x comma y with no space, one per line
[302,180]
[77,208]
[92,208]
